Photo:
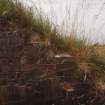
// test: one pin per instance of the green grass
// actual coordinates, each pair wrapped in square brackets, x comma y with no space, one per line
[36,23]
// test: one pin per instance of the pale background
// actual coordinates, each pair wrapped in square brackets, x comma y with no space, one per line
[89,14]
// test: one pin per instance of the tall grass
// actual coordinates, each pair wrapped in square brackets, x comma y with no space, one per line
[31,23]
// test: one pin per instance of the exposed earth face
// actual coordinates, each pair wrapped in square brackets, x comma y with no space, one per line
[29,75]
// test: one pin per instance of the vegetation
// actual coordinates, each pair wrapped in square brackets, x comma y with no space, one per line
[30,23]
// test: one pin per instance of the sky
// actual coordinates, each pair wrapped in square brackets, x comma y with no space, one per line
[88,14]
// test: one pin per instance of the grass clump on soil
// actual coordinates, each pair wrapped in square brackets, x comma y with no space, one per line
[29,23]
